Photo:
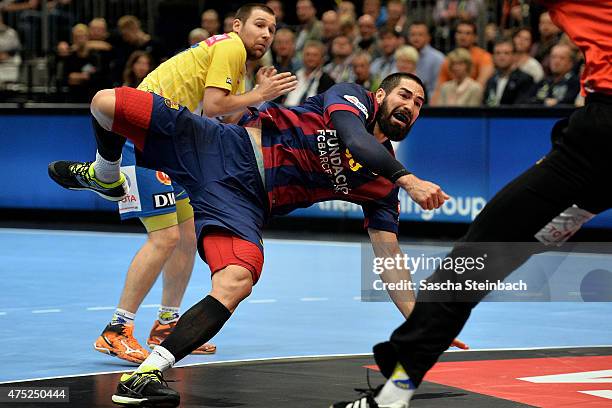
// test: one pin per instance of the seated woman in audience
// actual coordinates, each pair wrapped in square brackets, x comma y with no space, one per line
[461,90]
[138,66]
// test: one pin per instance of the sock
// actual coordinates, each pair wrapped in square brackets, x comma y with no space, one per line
[198,325]
[167,314]
[109,144]
[397,388]
[122,316]
[160,359]
[106,171]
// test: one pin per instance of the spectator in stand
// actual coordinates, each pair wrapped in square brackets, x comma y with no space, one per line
[430,59]
[578,56]
[361,71]
[10,60]
[279,13]
[406,59]
[80,66]
[549,37]
[311,78]
[132,38]
[340,68]
[374,8]
[284,51]
[522,40]
[138,66]
[481,61]
[331,26]
[367,40]
[461,90]
[449,12]
[347,8]
[101,48]
[228,22]
[310,26]
[562,85]
[513,14]
[26,16]
[389,43]
[397,17]
[197,35]
[98,35]
[211,22]
[348,28]
[491,35]
[509,85]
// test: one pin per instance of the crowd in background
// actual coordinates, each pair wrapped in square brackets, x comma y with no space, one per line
[520,58]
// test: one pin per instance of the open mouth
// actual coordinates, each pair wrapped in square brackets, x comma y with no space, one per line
[402,117]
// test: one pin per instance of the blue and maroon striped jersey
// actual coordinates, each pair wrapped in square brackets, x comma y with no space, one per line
[306,162]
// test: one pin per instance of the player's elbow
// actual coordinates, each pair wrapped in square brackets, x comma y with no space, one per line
[211,111]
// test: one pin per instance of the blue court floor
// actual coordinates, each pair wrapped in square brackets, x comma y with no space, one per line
[59,289]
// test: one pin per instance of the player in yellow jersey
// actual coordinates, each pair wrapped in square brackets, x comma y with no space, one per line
[208,78]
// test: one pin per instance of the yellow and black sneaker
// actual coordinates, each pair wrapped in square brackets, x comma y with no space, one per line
[80,176]
[145,388]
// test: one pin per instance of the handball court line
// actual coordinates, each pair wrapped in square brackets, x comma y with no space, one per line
[298,359]
[143,235]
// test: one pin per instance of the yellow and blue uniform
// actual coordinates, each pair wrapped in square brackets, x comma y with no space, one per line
[220,62]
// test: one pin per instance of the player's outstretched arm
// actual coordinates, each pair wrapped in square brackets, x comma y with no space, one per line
[385,245]
[218,102]
[426,194]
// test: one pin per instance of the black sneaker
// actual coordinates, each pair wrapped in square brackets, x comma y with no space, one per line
[365,401]
[146,388]
[80,176]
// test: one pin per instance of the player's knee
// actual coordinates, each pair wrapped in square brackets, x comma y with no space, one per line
[165,240]
[103,107]
[232,285]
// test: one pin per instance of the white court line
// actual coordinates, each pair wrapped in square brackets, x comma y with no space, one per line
[357,298]
[262,301]
[150,306]
[46,311]
[92,309]
[313,299]
[312,357]
[2,313]
[136,234]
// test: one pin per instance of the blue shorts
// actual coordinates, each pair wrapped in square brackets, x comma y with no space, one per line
[214,162]
[151,191]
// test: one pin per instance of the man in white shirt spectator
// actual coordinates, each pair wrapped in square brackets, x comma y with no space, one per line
[311,78]
[390,41]
[430,59]
[340,68]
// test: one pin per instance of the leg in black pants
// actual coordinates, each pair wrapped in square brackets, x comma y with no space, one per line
[570,175]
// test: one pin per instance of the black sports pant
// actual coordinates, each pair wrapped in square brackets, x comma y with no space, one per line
[577,171]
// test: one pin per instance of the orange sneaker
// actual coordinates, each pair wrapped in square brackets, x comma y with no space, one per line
[160,331]
[118,340]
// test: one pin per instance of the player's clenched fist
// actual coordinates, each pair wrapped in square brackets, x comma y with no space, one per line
[428,195]
[271,87]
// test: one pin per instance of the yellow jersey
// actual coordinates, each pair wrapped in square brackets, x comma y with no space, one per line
[218,61]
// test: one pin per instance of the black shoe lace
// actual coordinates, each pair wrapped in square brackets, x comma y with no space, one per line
[370,392]
[157,376]
[82,170]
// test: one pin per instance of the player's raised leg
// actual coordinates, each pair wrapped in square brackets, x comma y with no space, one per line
[102,176]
